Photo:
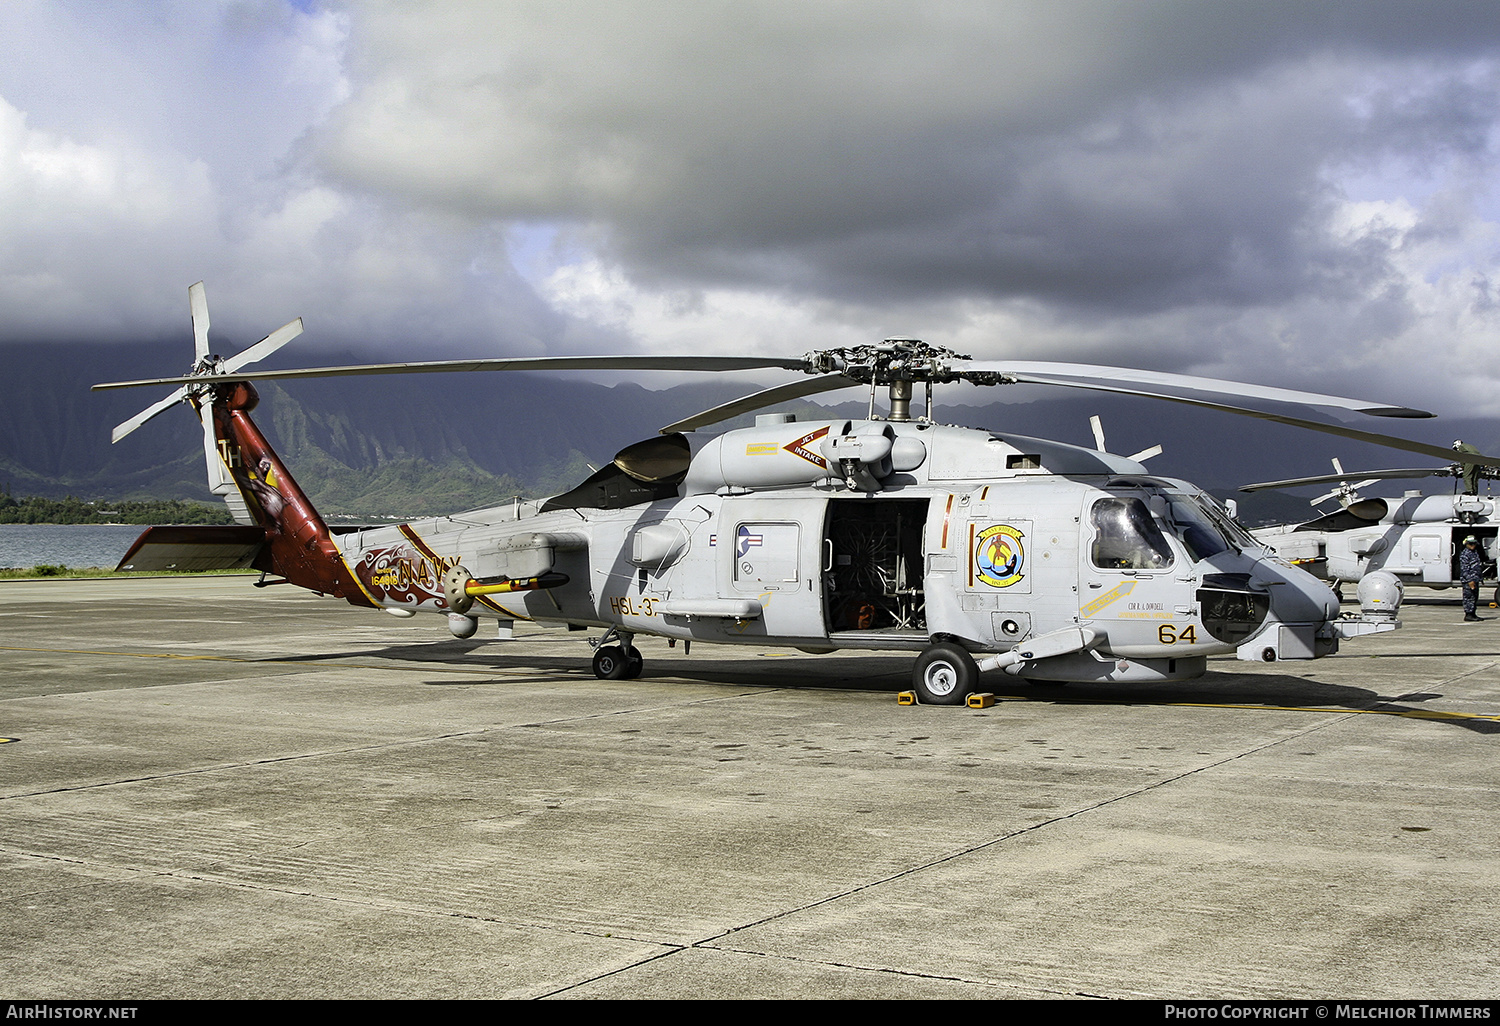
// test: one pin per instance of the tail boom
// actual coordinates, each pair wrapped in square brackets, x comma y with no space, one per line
[298,546]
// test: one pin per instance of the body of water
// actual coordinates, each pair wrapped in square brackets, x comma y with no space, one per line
[76,545]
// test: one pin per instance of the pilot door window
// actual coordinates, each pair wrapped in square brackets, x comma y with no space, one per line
[1126,537]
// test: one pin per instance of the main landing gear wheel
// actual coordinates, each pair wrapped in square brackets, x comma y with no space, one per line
[944,675]
[610,663]
[615,663]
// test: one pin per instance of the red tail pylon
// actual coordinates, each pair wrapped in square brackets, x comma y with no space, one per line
[298,545]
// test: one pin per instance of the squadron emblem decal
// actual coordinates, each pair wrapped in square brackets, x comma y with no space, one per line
[999,556]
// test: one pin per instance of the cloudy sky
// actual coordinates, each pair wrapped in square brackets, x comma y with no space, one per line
[1297,193]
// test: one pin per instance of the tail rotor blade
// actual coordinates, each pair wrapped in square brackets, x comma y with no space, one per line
[202,373]
[130,425]
[198,305]
[265,347]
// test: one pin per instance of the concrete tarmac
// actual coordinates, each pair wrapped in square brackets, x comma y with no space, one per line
[218,791]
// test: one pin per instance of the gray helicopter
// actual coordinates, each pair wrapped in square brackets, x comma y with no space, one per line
[1416,537]
[975,550]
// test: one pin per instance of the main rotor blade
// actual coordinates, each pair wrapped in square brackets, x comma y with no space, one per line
[762,399]
[265,347]
[198,307]
[126,427]
[1389,441]
[1373,475]
[667,363]
[1077,375]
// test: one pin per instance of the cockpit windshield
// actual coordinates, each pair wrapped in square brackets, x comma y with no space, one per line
[1203,525]
[1126,536]
[1197,529]
[1237,535]
[1128,531]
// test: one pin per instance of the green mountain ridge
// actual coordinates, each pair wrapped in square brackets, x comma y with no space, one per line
[425,445]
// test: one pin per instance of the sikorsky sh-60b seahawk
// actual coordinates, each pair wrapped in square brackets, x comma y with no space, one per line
[1044,560]
[1416,537]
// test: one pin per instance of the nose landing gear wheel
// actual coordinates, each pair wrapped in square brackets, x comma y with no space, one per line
[944,675]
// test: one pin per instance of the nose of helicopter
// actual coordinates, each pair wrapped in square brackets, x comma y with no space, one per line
[1262,605]
[1296,595]
[1295,611]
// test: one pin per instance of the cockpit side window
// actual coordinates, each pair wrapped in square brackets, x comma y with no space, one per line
[1127,538]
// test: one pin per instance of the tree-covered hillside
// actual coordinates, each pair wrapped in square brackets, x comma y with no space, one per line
[33,509]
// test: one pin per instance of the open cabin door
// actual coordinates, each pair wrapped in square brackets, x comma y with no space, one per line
[1454,543]
[873,567]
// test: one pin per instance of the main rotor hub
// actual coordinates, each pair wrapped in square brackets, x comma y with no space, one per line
[896,363]
[891,361]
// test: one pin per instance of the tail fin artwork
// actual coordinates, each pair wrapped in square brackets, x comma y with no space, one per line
[297,545]
[279,532]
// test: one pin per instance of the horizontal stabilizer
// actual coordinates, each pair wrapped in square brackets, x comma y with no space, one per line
[195,548]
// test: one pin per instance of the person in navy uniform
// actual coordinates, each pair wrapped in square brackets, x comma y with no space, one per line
[1471,470]
[1470,574]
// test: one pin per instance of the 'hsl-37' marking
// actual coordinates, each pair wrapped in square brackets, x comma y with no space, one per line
[624,605]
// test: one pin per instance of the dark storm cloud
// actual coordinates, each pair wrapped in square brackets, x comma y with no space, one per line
[1244,188]
[1126,156]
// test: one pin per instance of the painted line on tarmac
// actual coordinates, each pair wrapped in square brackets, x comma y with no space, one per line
[246,764]
[1416,714]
